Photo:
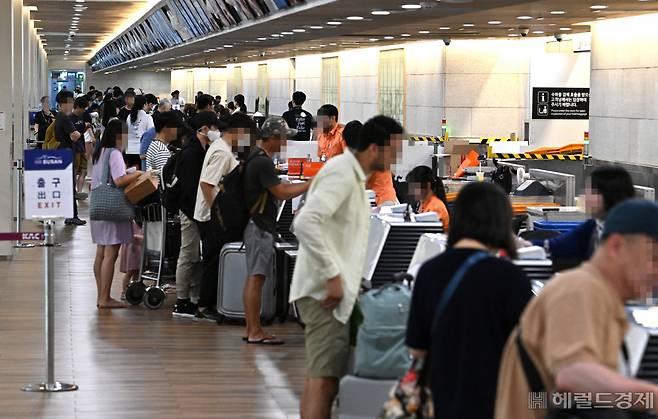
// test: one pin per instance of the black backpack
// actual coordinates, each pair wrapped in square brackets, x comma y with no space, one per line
[171,194]
[230,207]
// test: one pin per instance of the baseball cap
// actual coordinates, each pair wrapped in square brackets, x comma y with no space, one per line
[634,216]
[276,125]
[208,119]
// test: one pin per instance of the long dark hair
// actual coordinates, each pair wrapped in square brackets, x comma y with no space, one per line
[109,109]
[140,102]
[483,213]
[115,127]
[614,184]
[424,176]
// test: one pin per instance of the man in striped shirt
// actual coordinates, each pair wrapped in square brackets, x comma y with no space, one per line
[166,130]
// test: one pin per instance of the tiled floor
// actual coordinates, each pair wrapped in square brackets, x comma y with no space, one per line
[133,363]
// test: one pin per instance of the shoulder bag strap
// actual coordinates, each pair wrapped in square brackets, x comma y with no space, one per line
[446,296]
[452,286]
[106,164]
[532,376]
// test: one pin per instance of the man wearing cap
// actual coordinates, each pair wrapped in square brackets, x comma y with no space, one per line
[189,270]
[263,188]
[570,337]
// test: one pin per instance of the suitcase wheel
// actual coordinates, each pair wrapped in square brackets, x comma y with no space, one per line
[135,293]
[154,298]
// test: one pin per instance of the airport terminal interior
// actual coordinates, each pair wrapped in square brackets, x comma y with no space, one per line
[323,209]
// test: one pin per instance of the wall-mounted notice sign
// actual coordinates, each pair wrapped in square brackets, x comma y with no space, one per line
[560,103]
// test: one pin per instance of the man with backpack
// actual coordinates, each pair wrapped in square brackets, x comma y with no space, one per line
[332,229]
[218,163]
[263,188]
[181,174]
[67,135]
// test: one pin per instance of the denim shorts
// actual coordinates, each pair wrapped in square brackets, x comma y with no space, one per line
[259,249]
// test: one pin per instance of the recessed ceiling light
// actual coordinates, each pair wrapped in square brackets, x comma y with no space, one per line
[445,28]
[538,32]
[598,7]
[524,17]
[228,46]
[355,18]
[262,39]
[405,35]
[557,12]
[334,23]
[333,44]
[380,13]
[374,39]
[413,6]
[468,25]
[495,22]
[513,35]
[316,27]
[287,33]
[299,30]
[79,1]
[540,18]
[276,35]
[389,37]
[565,29]
[424,32]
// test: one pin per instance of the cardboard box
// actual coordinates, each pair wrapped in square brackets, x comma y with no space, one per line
[144,186]
[458,149]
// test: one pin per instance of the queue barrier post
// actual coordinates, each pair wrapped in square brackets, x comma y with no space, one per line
[50,385]
[18,189]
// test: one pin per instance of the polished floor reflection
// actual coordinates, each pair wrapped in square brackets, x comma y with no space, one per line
[133,363]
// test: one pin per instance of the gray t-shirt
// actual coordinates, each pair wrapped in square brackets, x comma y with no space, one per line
[260,175]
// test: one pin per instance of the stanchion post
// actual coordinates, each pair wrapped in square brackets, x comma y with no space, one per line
[18,188]
[50,386]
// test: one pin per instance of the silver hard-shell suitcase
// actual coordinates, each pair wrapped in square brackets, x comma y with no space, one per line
[232,277]
[362,398]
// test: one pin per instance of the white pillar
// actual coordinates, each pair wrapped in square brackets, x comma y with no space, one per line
[6,82]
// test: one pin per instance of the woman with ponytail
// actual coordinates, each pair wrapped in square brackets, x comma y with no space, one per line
[429,192]
[138,123]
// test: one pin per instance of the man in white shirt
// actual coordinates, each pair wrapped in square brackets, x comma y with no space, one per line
[219,162]
[332,229]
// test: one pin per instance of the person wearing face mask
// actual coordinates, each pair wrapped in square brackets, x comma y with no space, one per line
[189,270]
[218,162]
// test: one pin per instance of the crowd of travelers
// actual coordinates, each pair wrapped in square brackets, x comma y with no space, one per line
[491,345]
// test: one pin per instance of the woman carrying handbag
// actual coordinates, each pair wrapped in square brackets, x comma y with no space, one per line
[110,212]
[464,305]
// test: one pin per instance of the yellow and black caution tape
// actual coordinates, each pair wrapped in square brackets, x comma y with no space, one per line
[428,139]
[532,156]
[484,140]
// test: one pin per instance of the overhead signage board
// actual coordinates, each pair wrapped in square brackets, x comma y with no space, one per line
[48,184]
[560,103]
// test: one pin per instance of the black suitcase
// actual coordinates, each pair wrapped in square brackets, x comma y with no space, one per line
[283,277]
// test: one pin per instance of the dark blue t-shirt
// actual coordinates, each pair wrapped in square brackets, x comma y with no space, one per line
[466,347]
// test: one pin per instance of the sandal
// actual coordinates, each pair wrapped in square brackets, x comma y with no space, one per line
[266,341]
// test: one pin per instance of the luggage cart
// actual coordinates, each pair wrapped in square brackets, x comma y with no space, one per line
[160,249]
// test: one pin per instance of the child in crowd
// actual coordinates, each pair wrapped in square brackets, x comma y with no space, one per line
[429,192]
[131,259]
